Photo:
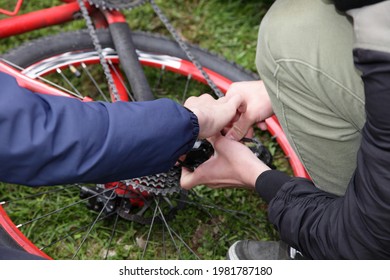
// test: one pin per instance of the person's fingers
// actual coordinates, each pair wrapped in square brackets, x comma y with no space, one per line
[213,139]
[239,129]
[193,102]
[250,133]
[187,178]
[262,126]
[238,102]
[190,179]
[207,97]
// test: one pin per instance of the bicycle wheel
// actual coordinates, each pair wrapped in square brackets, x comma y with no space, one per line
[111,221]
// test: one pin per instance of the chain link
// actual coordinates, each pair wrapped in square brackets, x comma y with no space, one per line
[116,4]
[99,49]
[185,48]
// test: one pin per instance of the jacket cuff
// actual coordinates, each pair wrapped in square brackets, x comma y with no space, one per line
[269,183]
[195,125]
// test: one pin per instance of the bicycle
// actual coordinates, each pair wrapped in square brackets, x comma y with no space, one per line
[37,62]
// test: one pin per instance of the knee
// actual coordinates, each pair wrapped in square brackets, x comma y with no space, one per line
[297,29]
[281,31]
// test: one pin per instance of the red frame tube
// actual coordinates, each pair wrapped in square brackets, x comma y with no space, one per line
[39,19]
[276,131]
[31,84]
[15,11]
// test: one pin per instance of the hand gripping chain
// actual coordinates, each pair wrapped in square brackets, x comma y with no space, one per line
[169,182]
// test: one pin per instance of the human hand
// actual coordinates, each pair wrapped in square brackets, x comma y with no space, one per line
[215,114]
[258,108]
[232,165]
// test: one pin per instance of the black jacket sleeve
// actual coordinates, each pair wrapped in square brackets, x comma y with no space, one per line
[344,5]
[356,225]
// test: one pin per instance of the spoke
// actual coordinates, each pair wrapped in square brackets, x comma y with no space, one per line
[186,89]
[35,195]
[234,213]
[43,79]
[149,232]
[60,87]
[112,235]
[168,227]
[73,232]
[185,244]
[68,82]
[160,78]
[170,231]
[164,243]
[121,80]
[94,223]
[85,68]
[63,208]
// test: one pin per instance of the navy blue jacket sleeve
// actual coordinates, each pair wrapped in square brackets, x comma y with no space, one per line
[47,140]
[356,225]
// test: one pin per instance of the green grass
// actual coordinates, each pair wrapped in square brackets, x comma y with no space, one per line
[228,28]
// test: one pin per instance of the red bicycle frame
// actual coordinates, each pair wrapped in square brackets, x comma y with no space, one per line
[19,24]
[15,11]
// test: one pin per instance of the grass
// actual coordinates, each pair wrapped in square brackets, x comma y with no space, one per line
[228,28]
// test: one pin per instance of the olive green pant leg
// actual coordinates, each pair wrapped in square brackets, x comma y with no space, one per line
[304,56]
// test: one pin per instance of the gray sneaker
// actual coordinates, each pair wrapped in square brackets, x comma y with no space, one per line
[262,250]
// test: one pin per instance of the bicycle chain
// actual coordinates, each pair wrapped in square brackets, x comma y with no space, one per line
[185,48]
[116,4]
[123,4]
[99,49]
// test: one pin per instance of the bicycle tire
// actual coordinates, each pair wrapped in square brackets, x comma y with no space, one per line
[34,52]
[39,49]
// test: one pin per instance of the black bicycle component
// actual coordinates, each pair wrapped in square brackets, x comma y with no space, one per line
[164,184]
[99,198]
[116,4]
[259,150]
[203,150]
[124,45]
